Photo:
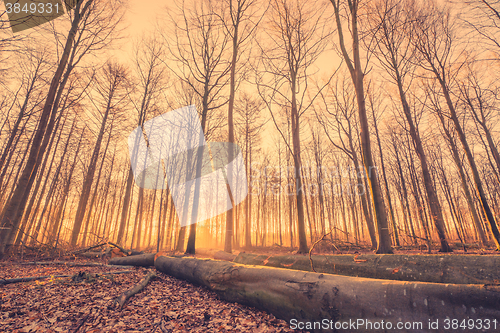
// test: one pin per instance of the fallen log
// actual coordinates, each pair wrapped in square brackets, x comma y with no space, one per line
[143,260]
[39,278]
[212,253]
[206,253]
[455,269]
[222,255]
[331,300]
[122,299]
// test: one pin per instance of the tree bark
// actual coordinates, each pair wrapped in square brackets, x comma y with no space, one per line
[357,75]
[386,183]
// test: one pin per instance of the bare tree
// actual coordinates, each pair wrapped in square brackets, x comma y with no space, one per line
[392,24]
[376,103]
[15,207]
[249,125]
[240,22]
[357,75]
[198,51]
[151,75]
[483,16]
[33,68]
[111,86]
[296,36]
[435,43]
[482,104]
[339,121]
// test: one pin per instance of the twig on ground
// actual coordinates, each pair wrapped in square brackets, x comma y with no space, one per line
[122,299]
[120,248]
[88,248]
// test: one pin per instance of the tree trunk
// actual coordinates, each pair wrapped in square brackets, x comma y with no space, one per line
[386,184]
[363,194]
[66,189]
[15,207]
[357,75]
[463,181]
[230,124]
[27,222]
[404,194]
[300,296]
[435,207]
[299,192]
[125,207]
[143,260]
[89,177]
[472,164]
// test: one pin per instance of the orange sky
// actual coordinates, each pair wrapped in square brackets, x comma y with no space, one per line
[141,15]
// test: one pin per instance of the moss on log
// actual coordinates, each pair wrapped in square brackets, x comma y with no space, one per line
[455,269]
[304,296]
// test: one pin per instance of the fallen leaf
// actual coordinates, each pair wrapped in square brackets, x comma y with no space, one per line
[395,270]
[266,260]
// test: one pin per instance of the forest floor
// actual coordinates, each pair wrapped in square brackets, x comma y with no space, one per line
[86,304]
[85,300]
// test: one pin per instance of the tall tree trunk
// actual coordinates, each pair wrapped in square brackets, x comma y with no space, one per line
[404,193]
[435,207]
[125,207]
[26,221]
[363,194]
[89,177]
[191,244]
[230,123]
[357,75]
[463,181]
[52,187]
[96,190]
[299,192]
[472,163]
[386,184]
[15,207]
[66,190]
